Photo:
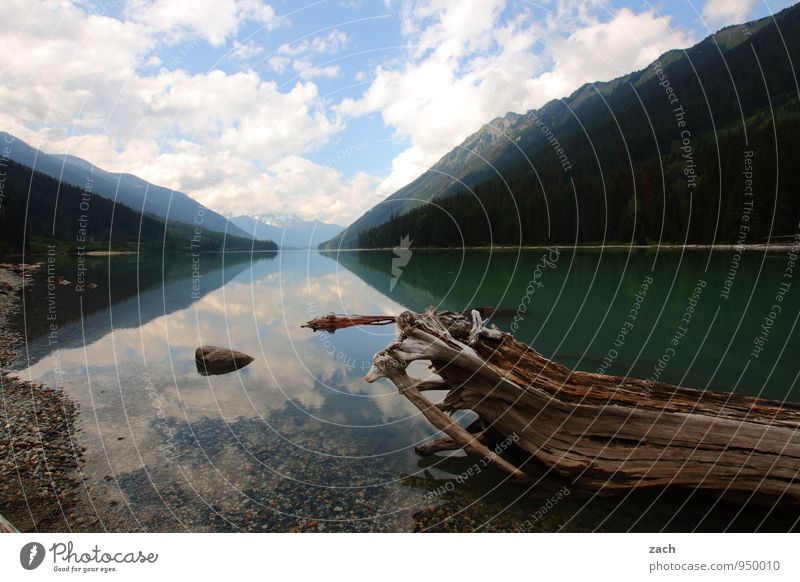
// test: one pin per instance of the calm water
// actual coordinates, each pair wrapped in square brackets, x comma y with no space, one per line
[298,441]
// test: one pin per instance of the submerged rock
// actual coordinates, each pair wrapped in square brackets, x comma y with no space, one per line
[212,360]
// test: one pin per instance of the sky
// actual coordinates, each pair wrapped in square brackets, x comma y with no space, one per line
[314,108]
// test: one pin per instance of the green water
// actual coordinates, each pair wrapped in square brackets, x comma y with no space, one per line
[298,441]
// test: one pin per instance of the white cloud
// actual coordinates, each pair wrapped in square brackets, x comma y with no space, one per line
[294,185]
[333,42]
[297,54]
[307,70]
[466,67]
[192,132]
[724,12]
[609,49]
[236,141]
[236,113]
[213,20]
[278,63]
[458,27]
[244,51]
[58,75]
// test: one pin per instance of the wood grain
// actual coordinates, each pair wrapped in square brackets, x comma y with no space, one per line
[606,433]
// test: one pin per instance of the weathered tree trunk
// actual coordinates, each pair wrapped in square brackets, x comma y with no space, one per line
[606,433]
[332,321]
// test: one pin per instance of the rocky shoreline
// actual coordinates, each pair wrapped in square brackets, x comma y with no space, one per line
[40,459]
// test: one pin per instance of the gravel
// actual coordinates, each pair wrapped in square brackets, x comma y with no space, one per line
[39,459]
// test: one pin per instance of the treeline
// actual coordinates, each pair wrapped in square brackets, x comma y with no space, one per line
[517,211]
[37,210]
[656,155]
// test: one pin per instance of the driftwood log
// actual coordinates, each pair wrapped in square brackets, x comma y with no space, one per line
[333,321]
[605,433]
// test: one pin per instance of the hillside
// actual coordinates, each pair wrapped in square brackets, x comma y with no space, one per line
[655,155]
[127,189]
[38,210]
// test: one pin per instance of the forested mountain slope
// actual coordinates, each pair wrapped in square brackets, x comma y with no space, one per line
[679,151]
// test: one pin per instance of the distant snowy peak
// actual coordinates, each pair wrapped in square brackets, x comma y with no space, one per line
[284,220]
[288,230]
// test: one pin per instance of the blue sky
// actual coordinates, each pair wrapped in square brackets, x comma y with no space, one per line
[315,108]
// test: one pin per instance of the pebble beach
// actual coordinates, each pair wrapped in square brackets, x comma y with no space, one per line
[39,458]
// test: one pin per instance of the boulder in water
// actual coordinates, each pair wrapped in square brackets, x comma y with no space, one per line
[212,360]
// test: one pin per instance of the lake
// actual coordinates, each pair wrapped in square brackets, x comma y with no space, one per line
[298,441]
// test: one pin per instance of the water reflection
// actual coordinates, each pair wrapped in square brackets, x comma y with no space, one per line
[129,294]
[297,440]
[579,307]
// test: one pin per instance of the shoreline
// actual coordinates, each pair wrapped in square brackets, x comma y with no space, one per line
[776,247]
[100,254]
[726,247]
[106,253]
[40,459]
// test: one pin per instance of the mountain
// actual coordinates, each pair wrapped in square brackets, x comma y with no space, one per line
[126,189]
[134,292]
[289,231]
[39,211]
[657,154]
